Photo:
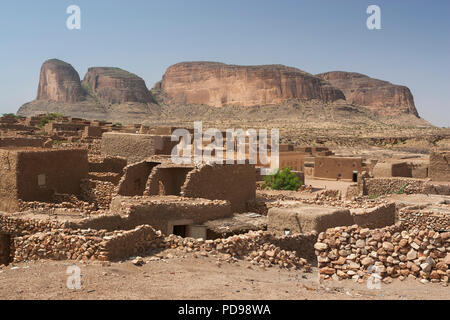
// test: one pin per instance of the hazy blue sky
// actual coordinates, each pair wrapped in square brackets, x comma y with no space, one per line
[145,37]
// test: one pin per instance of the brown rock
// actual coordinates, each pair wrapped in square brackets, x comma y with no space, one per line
[115,85]
[217,84]
[327,270]
[59,81]
[381,96]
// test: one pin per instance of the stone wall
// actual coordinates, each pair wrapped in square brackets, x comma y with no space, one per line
[384,186]
[235,183]
[67,244]
[394,252]
[423,217]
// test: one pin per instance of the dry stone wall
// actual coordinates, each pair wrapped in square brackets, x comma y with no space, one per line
[394,252]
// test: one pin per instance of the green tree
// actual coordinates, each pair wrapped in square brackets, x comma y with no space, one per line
[282,180]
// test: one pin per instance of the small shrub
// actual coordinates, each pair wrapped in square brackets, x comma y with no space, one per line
[402,189]
[87,87]
[10,115]
[49,117]
[282,180]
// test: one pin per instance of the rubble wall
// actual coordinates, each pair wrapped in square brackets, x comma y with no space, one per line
[355,252]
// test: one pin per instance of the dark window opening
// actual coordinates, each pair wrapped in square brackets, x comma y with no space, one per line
[355,176]
[5,244]
[181,230]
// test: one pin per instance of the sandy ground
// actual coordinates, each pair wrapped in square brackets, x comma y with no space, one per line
[194,278]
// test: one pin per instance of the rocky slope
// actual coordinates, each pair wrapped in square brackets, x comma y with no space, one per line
[217,84]
[59,81]
[380,96]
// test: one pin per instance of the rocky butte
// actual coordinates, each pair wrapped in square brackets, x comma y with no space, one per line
[106,93]
[59,81]
[115,85]
[218,84]
[380,96]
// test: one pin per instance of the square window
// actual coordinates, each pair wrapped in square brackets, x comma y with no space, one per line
[41,180]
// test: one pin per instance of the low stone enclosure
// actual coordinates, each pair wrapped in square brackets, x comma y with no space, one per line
[375,187]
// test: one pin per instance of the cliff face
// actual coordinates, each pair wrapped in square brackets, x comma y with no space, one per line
[59,81]
[380,96]
[115,85]
[218,84]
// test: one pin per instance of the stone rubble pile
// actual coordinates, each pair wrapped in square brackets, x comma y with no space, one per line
[254,246]
[394,252]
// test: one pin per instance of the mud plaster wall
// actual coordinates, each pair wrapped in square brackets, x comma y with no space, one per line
[235,183]
[8,181]
[302,220]
[135,147]
[377,217]
[63,171]
[135,178]
[21,142]
[160,213]
[109,164]
[336,167]
[166,181]
[439,169]
[392,169]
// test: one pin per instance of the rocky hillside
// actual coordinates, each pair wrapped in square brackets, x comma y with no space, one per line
[380,96]
[212,90]
[106,93]
[217,84]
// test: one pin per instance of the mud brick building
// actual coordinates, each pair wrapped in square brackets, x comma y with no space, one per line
[392,169]
[341,168]
[439,169]
[135,147]
[35,174]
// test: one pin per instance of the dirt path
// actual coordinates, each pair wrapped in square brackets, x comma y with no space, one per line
[193,278]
